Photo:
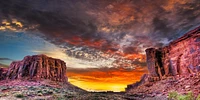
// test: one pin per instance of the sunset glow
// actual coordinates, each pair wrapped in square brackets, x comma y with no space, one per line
[104,79]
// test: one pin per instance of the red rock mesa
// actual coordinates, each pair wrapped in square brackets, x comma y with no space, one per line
[37,67]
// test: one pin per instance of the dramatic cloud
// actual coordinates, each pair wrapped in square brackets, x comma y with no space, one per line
[90,21]
[97,27]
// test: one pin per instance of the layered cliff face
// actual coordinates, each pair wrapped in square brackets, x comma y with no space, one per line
[37,67]
[180,57]
[171,67]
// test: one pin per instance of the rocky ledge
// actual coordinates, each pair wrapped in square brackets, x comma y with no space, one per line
[175,67]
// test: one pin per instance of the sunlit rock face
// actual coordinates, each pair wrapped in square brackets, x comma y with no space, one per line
[38,67]
[180,57]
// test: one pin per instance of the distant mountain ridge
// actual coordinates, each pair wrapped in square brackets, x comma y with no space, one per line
[3,65]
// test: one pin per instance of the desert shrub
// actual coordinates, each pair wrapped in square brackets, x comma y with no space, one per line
[19,96]
[56,90]
[68,96]
[58,97]
[189,96]
[32,88]
[175,96]
[198,97]
[40,91]
[49,92]
[3,95]
[40,94]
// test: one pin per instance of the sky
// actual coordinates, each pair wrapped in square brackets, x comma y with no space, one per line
[103,42]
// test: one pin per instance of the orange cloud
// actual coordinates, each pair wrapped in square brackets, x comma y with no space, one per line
[76,40]
[171,4]
[104,79]
[14,25]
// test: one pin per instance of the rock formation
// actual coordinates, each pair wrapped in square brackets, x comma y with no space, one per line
[3,73]
[143,79]
[180,57]
[37,67]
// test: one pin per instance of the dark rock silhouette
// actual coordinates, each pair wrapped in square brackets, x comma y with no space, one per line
[3,72]
[143,79]
[37,67]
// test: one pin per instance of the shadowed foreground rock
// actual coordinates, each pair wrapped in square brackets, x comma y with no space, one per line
[38,67]
[3,72]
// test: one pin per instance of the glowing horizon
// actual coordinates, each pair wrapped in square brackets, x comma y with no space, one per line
[108,80]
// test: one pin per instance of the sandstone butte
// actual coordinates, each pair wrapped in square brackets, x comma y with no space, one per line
[179,60]
[36,67]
